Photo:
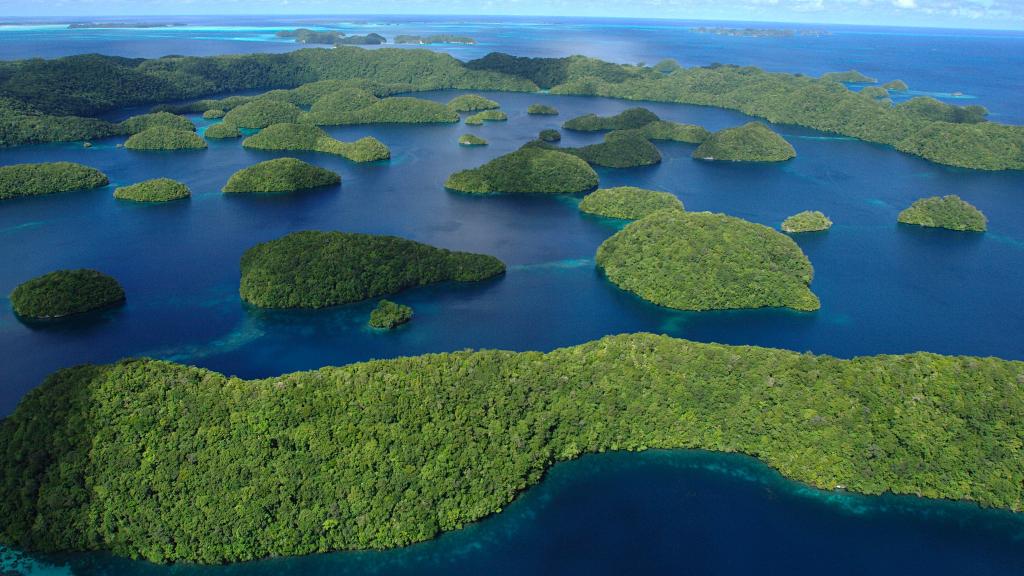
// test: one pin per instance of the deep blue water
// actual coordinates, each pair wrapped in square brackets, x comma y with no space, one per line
[884,288]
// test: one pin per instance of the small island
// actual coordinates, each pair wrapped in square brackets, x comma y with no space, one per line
[541,110]
[143,122]
[628,202]
[625,120]
[549,135]
[486,116]
[752,142]
[314,139]
[806,221]
[307,36]
[222,130]
[280,175]
[675,132]
[389,315]
[48,178]
[155,190]
[433,39]
[471,140]
[65,293]
[263,112]
[472,103]
[165,138]
[317,269]
[395,110]
[527,170]
[370,39]
[213,114]
[705,261]
[848,77]
[620,149]
[896,86]
[950,212]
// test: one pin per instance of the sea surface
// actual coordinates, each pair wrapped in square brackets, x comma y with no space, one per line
[884,287]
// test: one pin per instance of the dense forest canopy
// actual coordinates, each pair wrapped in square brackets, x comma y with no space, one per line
[64,293]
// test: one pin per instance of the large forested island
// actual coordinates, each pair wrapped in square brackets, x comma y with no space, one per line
[704,261]
[627,202]
[165,138]
[317,269]
[123,457]
[950,212]
[65,293]
[531,169]
[280,175]
[312,138]
[752,142]
[48,178]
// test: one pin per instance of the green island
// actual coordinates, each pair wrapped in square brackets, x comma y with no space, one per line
[705,261]
[486,116]
[433,39]
[625,120]
[280,175]
[144,122]
[389,315]
[675,132]
[472,103]
[876,93]
[312,138]
[386,453]
[334,107]
[222,130]
[395,110]
[530,169]
[315,269]
[65,293]
[369,39]
[896,85]
[165,138]
[620,149]
[541,110]
[307,36]
[806,221]
[944,212]
[628,202]
[471,140]
[549,135]
[752,142]
[213,114]
[50,100]
[849,77]
[48,178]
[263,112]
[154,190]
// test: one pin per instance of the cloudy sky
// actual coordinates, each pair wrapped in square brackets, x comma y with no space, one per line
[944,13]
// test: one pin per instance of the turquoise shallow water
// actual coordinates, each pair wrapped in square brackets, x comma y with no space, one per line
[884,289]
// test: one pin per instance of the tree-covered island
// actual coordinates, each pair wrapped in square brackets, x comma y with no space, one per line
[263,112]
[318,269]
[280,175]
[389,315]
[486,116]
[222,131]
[620,149]
[549,135]
[530,169]
[48,178]
[806,221]
[472,103]
[628,202]
[541,110]
[949,212]
[625,120]
[165,138]
[471,140]
[143,122]
[433,39]
[314,139]
[154,190]
[395,110]
[65,293]
[752,142]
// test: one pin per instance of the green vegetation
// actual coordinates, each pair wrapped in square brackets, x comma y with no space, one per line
[471,140]
[527,170]
[897,85]
[434,39]
[123,457]
[628,202]
[932,110]
[542,110]
[213,114]
[263,112]
[472,103]
[307,36]
[876,93]
[222,130]
[65,292]
[675,132]
[549,135]
[155,190]
[370,39]
[752,142]
[486,116]
[850,76]
[620,149]
[317,269]
[806,221]
[397,110]
[308,137]
[625,120]
[704,261]
[164,138]
[144,122]
[944,212]
[280,175]
[334,107]
[48,178]
[388,315]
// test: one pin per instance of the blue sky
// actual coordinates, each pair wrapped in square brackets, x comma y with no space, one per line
[1004,14]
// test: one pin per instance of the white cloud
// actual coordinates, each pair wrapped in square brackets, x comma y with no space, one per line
[905,3]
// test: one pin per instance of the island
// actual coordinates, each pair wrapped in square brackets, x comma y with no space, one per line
[806,221]
[620,149]
[165,138]
[48,178]
[280,175]
[460,434]
[307,36]
[549,135]
[752,142]
[370,39]
[213,114]
[434,39]
[625,120]
[142,122]
[675,132]
[471,140]
[472,103]
[263,112]
[314,139]
[705,261]
[527,170]
[628,202]
[316,269]
[65,293]
[848,77]
[896,85]
[222,130]
[542,110]
[389,315]
[394,110]
[486,116]
[949,212]
[876,93]
[155,190]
